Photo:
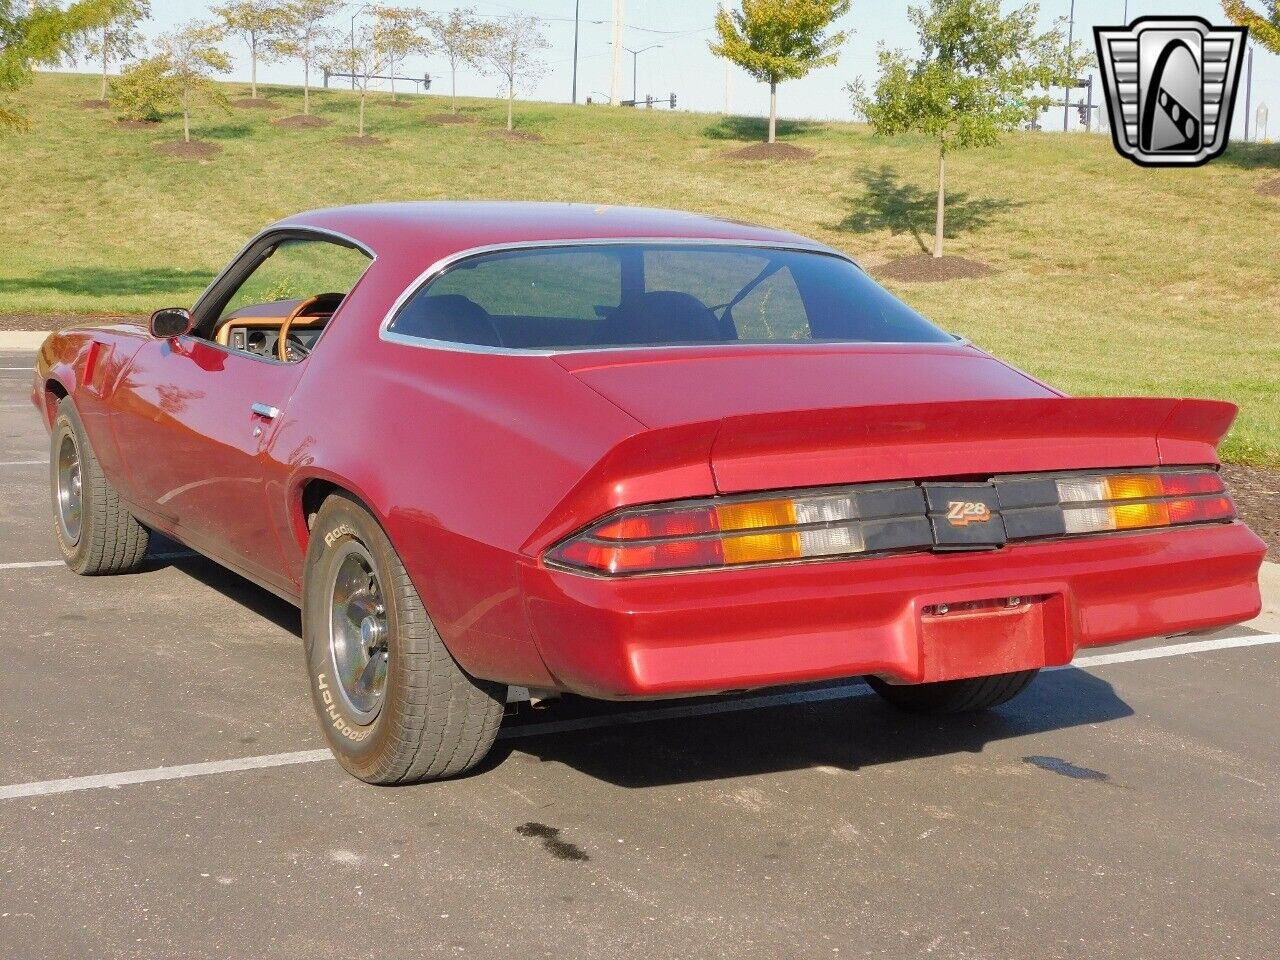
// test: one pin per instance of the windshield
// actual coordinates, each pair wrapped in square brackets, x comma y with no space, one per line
[611,295]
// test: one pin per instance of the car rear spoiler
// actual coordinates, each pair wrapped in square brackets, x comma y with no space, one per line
[913,441]
[964,438]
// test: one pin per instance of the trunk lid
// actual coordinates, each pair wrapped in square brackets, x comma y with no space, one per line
[818,415]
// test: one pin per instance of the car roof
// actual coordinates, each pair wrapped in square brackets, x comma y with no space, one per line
[436,229]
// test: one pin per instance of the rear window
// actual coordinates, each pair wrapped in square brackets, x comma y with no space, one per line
[615,295]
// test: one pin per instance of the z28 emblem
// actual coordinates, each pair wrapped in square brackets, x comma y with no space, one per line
[961,513]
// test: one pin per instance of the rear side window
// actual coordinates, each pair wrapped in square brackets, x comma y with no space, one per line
[616,295]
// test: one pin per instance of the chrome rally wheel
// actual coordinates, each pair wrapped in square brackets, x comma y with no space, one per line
[358,632]
[68,486]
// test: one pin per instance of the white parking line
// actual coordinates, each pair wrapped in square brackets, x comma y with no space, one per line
[21,463]
[43,788]
[34,564]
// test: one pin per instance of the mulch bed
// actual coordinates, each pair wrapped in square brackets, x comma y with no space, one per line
[785,152]
[923,268]
[195,150]
[137,124]
[448,118]
[260,103]
[1256,492]
[95,104]
[302,120]
[1271,188]
[522,135]
[362,141]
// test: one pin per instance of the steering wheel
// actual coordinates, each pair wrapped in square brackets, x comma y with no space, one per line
[282,339]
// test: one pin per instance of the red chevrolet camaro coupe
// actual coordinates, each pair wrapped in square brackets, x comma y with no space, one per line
[505,450]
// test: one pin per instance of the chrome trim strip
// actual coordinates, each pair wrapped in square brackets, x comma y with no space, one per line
[429,274]
[281,228]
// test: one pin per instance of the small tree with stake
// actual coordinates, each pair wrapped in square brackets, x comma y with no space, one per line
[777,40]
[302,35]
[193,57]
[257,23]
[363,62]
[511,51]
[463,38]
[400,33]
[970,83]
[119,39]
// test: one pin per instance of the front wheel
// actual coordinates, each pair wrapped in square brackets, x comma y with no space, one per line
[95,533]
[954,696]
[394,704]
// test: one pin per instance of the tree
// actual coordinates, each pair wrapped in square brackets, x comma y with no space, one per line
[777,40]
[36,32]
[145,89]
[192,58]
[1263,27]
[462,37]
[400,34]
[119,39]
[366,60]
[974,79]
[257,23]
[511,50]
[302,34]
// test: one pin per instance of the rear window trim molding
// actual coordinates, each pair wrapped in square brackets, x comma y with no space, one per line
[419,283]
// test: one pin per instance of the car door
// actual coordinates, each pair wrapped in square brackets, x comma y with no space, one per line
[195,415]
[194,420]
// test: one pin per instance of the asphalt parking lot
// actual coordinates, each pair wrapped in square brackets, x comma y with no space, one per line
[164,794]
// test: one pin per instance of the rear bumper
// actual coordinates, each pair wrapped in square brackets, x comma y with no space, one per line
[686,634]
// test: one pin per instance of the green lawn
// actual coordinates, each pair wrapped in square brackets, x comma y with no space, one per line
[1110,278]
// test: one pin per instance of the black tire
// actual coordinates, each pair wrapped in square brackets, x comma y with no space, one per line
[104,538]
[430,720]
[954,696]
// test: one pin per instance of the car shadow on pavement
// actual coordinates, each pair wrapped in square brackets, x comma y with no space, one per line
[851,734]
[166,553]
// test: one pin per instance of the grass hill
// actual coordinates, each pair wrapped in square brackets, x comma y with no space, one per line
[1108,278]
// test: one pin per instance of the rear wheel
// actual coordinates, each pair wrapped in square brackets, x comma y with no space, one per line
[954,696]
[394,704]
[96,534]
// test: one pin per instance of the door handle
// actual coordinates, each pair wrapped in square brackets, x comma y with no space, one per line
[265,411]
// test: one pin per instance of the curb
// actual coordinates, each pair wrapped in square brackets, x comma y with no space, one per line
[22,339]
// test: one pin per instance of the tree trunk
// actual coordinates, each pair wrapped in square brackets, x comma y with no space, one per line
[511,99]
[392,71]
[186,118]
[362,96]
[773,112]
[453,99]
[104,63]
[942,194]
[253,70]
[306,87]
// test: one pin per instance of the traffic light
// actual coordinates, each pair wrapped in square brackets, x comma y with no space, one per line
[1083,111]
[673,101]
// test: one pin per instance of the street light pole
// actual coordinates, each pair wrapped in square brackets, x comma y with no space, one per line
[1066,91]
[354,17]
[635,65]
[577,4]
[1248,95]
